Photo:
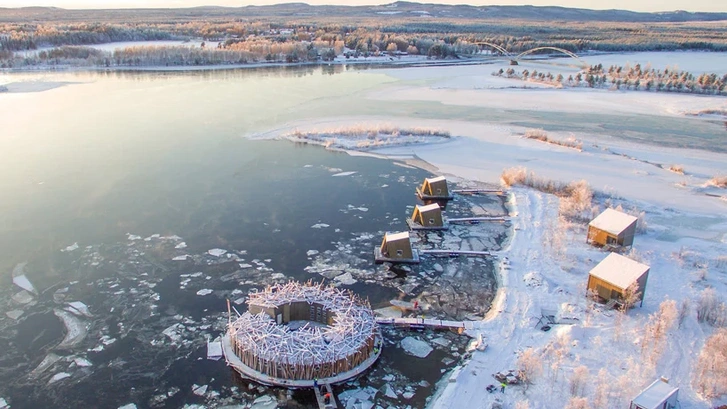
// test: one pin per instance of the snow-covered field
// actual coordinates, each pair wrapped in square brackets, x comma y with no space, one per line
[111,47]
[547,262]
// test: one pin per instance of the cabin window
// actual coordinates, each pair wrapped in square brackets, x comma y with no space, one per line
[439,190]
[611,240]
[431,221]
[399,253]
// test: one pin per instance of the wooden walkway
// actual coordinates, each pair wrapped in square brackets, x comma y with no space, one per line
[477,191]
[321,401]
[474,220]
[421,323]
[454,253]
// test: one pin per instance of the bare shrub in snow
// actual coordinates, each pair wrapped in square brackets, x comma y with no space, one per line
[600,393]
[654,334]
[529,365]
[555,353]
[577,403]
[631,296]
[523,404]
[575,197]
[711,369]
[683,311]
[578,381]
[711,309]
[677,169]
[718,181]
[541,135]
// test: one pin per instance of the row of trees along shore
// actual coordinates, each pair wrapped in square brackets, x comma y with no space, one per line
[629,78]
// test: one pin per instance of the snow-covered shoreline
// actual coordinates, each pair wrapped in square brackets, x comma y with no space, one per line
[546,264]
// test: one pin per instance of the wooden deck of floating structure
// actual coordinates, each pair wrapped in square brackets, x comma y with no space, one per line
[454,253]
[416,226]
[322,402]
[421,323]
[380,258]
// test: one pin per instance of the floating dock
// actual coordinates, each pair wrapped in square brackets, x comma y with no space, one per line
[424,196]
[418,227]
[379,258]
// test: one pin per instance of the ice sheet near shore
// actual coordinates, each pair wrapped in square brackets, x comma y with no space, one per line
[546,264]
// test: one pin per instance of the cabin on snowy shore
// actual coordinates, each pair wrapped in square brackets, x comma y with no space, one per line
[658,395]
[396,248]
[612,277]
[612,228]
[434,189]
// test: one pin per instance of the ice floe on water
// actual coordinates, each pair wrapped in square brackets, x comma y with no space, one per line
[181,258]
[181,245]
[75,329]
[128,406]
[204,291]
[59,376]
[82,362]
[216,252]
[72,247]
[3,404]
[415,347]
[344,173]
[79,308]
[320,226]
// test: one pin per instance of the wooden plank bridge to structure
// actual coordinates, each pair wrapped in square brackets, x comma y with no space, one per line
[477,191]
[454,253]
[321,400]
[475,220]
[421,323]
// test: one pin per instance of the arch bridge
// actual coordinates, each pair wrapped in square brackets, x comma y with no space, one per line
[514,59]
[566,52]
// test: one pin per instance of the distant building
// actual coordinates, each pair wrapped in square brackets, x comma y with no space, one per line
[612,228]
[434,189]
[396,248]
[427,217]
[658,395]
[612,276]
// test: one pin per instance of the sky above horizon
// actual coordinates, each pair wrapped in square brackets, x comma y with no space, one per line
[640,5]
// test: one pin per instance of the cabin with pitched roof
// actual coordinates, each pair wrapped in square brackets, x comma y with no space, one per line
[428,217]
[396,248]
[434,189]
[611,278]
[612,228]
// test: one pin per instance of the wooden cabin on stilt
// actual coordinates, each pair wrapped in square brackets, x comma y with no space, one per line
[396,248]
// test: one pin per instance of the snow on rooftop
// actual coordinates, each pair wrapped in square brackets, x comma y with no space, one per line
[436,179]
[619,270]
[654,395]
[428,207]
[397,236]
[612,221]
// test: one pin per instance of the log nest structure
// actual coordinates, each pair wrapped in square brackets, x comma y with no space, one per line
[295,333]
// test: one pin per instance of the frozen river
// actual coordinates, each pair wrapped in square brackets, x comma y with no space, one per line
[137,195]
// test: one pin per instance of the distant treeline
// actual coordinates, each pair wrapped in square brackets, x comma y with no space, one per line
[369,35]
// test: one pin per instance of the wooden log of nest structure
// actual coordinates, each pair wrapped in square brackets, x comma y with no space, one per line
[295,333]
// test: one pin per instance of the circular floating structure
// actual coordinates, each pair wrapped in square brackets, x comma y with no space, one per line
[293,334]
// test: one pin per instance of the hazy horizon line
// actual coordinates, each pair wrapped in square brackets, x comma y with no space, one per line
[157,7]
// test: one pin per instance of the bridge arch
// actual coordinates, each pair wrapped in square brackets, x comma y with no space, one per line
[496,47]
[566,52]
